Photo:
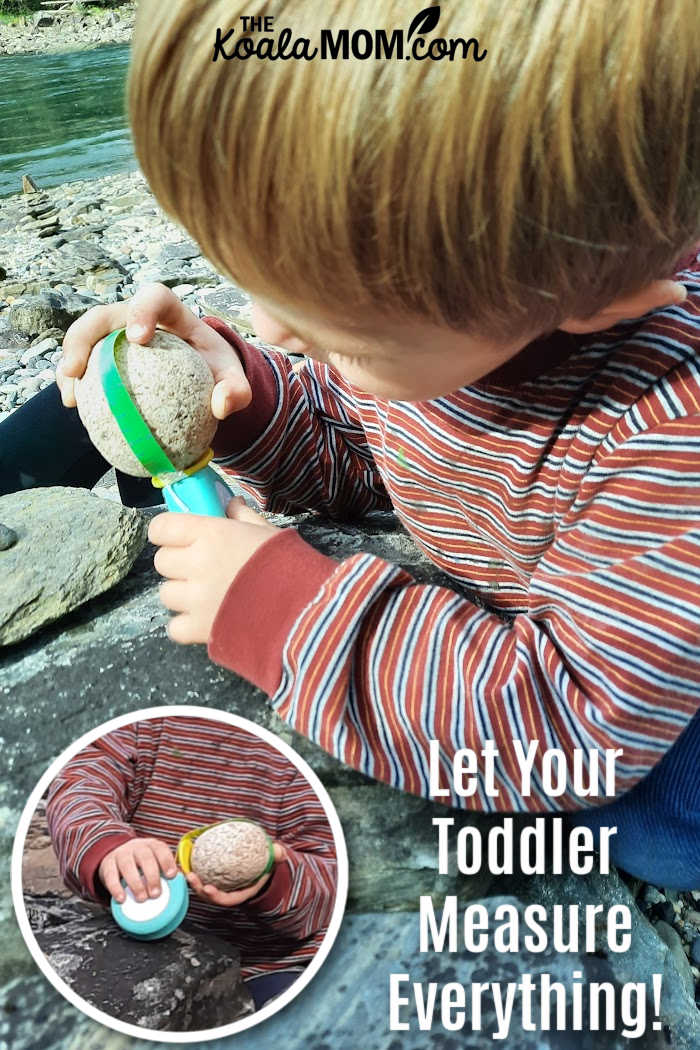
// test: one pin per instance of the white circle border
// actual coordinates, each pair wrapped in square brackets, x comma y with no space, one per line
[202,1035]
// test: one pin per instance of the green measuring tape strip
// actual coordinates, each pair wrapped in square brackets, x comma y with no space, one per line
[133,426]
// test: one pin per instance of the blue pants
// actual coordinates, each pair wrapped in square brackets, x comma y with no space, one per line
[269,985]
[43,443]
[658,821]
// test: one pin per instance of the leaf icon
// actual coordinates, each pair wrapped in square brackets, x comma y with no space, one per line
[425,21]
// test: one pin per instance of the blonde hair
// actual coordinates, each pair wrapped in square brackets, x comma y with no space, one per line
[496,196]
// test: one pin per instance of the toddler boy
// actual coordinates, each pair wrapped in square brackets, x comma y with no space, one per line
[476,260]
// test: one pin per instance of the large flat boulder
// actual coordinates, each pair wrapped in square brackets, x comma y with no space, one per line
[187,982]
[70,546]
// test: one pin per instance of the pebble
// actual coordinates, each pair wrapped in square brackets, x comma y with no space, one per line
[8,537]
[664,911]
[29,386]
[695,951]
[653,896]
[38,351]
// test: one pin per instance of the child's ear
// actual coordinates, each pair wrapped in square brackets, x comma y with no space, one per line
[653,297]
[275,332]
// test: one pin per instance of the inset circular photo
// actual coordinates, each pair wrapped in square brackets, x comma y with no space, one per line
[179,874]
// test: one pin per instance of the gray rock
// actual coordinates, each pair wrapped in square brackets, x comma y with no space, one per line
[648,953]
[9,365]
[54,335]
[104,282]
[672,940]
[19,288]
[71,546]
[33,314]
[169,277]
[187,982]
[37,350]
[8,537]
[48,231]
[181,250]
[46,344]
[34,222]
[29,385]
[38,208]
[228,304]
[127,201]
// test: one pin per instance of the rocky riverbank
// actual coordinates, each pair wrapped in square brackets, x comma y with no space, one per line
[77,28]
[68,248]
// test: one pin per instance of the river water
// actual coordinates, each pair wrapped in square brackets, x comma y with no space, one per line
[62,117]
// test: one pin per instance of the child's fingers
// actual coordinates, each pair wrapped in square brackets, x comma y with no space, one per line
[132,877]
[175,595]
[184,630]
[146,860]
[88,330]
[216,896]
[194,881]
[165,859]
[155,304]
[231,393]
[109,875]
[237,897]
[198,887]
[66,386]
[173,563]
[175,530]
[238,510]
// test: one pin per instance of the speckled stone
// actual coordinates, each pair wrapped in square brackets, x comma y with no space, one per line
[171,385]
[231,855]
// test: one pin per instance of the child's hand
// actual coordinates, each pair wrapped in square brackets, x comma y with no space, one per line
[235,897]
[200,557]
[150,855]
[154,304]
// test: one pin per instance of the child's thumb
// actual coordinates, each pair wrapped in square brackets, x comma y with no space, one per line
[239,511]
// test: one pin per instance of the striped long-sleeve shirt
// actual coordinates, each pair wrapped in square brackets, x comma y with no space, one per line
[563,489]
[162,777]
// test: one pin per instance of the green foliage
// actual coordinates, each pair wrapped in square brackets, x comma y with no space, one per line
[18,7]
